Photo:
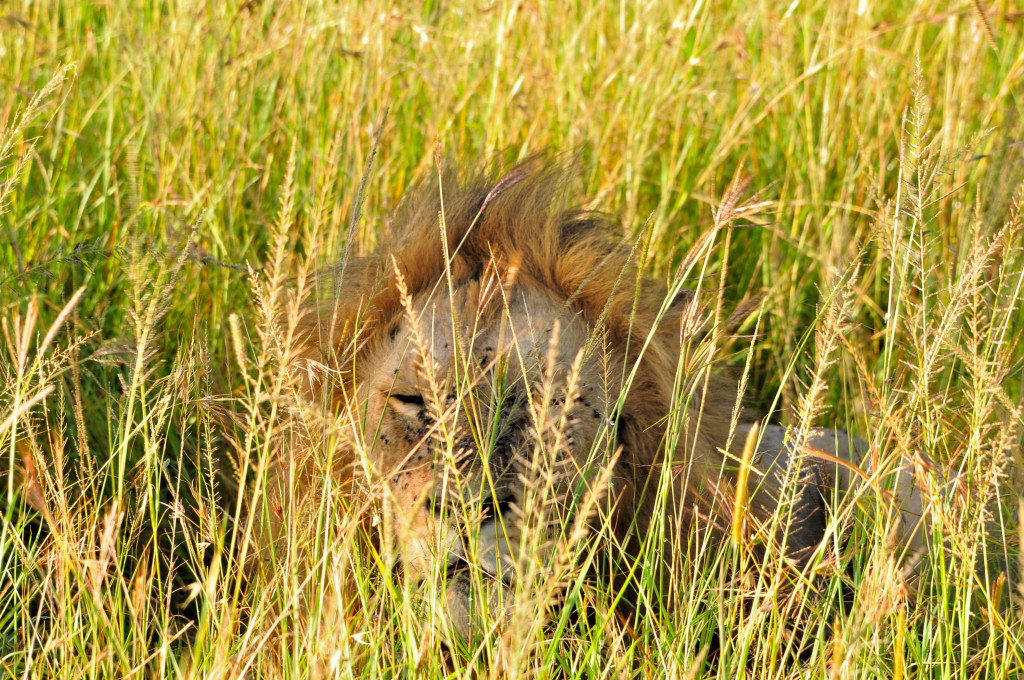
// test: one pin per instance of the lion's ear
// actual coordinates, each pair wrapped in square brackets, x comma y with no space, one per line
[323,337]
[332,332]
[683,298]
[686,313]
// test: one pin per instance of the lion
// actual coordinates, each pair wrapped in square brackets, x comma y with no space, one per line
[501,350]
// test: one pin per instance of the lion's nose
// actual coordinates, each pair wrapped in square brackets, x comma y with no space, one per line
[490,506]
[435,506]
[495,507]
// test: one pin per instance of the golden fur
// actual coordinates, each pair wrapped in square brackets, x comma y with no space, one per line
[489,290]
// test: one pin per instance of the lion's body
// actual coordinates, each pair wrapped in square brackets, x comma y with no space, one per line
[496,342]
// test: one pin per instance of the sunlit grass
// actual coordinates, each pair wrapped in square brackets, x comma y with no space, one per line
[171,175]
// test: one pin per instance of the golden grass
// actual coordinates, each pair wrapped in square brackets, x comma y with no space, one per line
[171,174]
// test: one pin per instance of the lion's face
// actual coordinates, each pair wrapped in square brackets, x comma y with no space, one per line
[508,381]
[466,395]
[504,374]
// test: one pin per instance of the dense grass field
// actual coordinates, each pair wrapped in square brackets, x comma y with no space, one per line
[167,167]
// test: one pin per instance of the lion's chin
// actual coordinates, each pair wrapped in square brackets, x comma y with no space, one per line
[456,565]
[478,594]
[477,604]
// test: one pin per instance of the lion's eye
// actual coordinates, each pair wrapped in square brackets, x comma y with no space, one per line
[409,399]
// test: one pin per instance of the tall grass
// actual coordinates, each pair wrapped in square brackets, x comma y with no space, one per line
[171,174]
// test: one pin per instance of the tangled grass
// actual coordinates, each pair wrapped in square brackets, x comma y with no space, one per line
[173,174]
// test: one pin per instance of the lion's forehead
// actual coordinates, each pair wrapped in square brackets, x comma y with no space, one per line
[526,322]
